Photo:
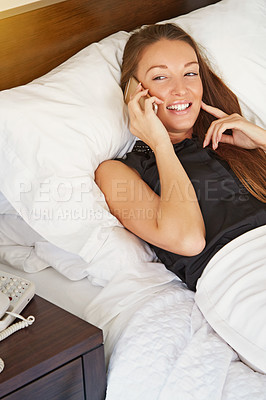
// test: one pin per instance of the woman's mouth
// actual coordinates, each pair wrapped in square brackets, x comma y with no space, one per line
[179,106]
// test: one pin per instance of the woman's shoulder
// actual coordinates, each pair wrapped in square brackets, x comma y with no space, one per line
[113,170]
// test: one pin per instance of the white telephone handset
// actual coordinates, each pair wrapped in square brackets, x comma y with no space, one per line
[15,293]
[4,304]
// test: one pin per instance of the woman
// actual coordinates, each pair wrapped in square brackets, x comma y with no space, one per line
[198,180]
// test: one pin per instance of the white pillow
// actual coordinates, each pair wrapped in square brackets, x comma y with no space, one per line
[54,133]
[56,130]
[231,294]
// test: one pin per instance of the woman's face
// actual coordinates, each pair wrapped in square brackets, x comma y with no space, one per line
[170,70]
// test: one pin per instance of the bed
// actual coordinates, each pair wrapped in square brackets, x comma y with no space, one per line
[59,76]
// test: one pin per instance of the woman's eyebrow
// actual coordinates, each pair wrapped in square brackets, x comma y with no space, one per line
[156,66]
[190,63]
[165,66]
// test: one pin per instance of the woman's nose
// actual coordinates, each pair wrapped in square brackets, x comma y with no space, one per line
[178,88]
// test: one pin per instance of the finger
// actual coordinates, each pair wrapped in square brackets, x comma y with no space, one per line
[156,100]
[134,103]
[227,139]
[216,132]
[152,102]
[216,112]
[213,134]
[216,137]
[141,93]
[209,135]
[218,127]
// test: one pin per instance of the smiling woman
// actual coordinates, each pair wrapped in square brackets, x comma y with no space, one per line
[177,82]
[194,199]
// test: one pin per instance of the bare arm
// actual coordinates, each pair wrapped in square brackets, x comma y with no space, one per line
[172,221]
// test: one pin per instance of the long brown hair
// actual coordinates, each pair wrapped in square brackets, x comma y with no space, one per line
[248,165]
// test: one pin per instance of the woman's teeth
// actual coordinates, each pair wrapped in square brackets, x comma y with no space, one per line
[178,107]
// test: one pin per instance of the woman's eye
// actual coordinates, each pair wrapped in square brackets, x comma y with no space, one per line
[191,74]
[159,78]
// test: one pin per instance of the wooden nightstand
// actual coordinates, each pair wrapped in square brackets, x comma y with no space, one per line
[60,356]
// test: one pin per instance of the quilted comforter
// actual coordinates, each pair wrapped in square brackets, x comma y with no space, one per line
[159,346]
[168,351]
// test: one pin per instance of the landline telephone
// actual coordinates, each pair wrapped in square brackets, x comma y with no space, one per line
[15,294]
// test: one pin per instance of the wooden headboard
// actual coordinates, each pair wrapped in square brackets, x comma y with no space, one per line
[34,42]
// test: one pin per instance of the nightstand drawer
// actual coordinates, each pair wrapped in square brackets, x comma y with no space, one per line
[65,383]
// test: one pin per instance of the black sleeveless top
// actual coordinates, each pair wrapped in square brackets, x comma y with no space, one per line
[228,209]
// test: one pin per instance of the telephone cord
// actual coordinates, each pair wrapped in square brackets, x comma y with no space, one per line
[2,365]
[13,328]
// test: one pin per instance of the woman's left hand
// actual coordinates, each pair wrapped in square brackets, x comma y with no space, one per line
[244,133]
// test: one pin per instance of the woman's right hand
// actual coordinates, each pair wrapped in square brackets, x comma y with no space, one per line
[144,123]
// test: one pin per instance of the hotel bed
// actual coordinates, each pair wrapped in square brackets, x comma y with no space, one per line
[61,114]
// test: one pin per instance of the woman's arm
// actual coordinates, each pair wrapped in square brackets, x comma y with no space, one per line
[244,133]
[173,220]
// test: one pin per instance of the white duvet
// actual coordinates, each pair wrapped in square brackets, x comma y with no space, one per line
[160,345]
[169,352]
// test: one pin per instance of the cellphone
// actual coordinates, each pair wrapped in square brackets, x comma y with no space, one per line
[130,88]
